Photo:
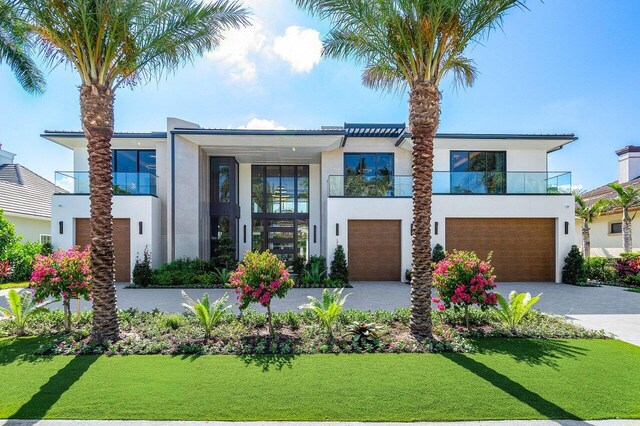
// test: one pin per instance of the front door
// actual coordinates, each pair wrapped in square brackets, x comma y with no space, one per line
[281,239]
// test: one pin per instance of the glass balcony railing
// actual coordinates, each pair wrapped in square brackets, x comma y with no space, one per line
[496,183]
[123,183]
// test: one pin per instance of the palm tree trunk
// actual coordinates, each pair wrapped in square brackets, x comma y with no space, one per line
[96,108]
[627,244]
[424,117]
[586,240]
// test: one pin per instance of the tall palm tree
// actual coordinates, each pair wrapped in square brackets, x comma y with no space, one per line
[412,44]
[628,196]
[112,43]
[588,213]
[15,47]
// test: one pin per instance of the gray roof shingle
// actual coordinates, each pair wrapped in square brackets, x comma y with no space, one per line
[24,192]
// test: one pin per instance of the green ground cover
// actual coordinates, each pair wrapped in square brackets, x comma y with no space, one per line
[505,379]
[7,286]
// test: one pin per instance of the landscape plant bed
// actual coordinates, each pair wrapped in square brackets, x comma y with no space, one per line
[505,379]
[295,333]
[222,286]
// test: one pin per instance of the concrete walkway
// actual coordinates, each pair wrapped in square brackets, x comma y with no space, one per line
[612,309]
[175,423]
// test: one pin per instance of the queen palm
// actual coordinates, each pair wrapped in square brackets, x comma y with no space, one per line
[110,44]
[587,213]
[412,44]
[15,48]
[628,196]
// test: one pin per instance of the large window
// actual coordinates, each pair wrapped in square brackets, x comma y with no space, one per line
[478,172]
[224,208]
[133,170]
[368,175]
[280,210]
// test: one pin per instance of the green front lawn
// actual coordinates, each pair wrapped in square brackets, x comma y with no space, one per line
[7,286]
[507,379]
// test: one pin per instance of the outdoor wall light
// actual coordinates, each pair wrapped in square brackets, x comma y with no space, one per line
[140,228]
[315,233]
[61,227]
[566,228]
[244,233]
[337,229]
[435,228]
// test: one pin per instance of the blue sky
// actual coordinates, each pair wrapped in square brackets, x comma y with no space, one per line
[562,66]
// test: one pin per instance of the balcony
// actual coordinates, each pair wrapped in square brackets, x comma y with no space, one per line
[462,183]
[123,183]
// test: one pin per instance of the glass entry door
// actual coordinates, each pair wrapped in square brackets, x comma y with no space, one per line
[281,239]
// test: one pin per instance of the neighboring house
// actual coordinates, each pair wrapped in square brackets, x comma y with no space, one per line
[606,231]
[303,192]
[25,198]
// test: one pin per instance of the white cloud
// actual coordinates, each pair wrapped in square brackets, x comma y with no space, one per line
[300,47]
[262,124]
[237,50]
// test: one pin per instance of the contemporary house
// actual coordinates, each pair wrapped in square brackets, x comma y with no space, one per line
[606,231]
[25,198]
[303,192]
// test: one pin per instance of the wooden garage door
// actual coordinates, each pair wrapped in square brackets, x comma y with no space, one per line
[121,245]
[374,250]
[523,249]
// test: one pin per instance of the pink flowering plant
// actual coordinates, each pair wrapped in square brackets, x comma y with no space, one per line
[463,280]
[64,275]
[259,278]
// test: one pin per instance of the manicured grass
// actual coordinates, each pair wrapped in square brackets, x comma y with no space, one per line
[7,286]
[634,289]
[507,379]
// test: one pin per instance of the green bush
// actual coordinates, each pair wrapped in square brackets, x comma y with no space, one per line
[437,254]
[574,270]
[21,257]
[632,280]
[142,271]
[339,269]
[184,271]
[601,269]
[225,257]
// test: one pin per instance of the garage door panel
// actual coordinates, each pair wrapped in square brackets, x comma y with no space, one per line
[121,244]
[374,250]
[523,248]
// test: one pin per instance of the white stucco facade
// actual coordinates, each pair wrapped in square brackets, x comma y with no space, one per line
[177,216]
[31,228]
[603,242]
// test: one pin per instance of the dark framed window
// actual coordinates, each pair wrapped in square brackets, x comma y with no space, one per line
[478,172]
[133,161]
[224,206]
[615,228]
[368,164]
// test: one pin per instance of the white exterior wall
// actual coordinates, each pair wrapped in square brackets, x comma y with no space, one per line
[603,243]
[30,228]
[137,208]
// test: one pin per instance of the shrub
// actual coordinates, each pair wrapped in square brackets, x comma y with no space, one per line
[314,274]
[437,254]
[5,269]
[339,268]
[632,280]
[259,278]
[320,261]
[297,267]
[64,275]
[21,257]
[225,256]
[407,275]
[21,307]
[364,332]
[574,270]
[327,309]
[462,280]
[513,311]
[208,314]
[221,275]
[627,267]
[183,271]
[172,321]
[142,272]
[601,269]
[8,235]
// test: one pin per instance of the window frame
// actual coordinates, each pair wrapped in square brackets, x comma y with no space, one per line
[114,160]
[391,154]
[610,227]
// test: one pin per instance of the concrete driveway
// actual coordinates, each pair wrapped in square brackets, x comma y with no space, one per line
[609,308]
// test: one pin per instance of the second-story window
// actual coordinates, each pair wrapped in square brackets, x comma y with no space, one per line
[134,171]
[478,172]
[368,174]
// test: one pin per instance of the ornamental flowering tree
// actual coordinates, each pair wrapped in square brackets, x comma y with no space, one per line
[63,275]
[463,280]
[258,279]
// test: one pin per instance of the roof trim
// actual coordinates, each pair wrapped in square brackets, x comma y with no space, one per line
[627,149]
[143,135]
[255,132]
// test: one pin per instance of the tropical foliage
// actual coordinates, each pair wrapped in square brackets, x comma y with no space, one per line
[327,309]
[463,280]
[208,314]
[22,306]
[414,45]
[64,275]
[574,270]
[259,278]
[110,44]
[142,271]
[587,213]
[514,310]
[627,197]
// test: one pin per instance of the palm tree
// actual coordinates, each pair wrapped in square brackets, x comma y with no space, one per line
[628,196]
[588,213]
[412,44]
[15,48]
[112,43]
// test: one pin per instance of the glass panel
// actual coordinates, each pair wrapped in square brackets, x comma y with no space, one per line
[281,234]
[303,238]
[257,189]
[126,161]
[287,189]
[351,164]
[477,162]
[257,235]
[147,160]
[280,245]
[224,196]
[459,160]
[303,189]
[384,165]
[367,165]
[280,223]
[273,189]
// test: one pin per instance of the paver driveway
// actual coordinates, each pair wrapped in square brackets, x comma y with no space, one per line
[610,308]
